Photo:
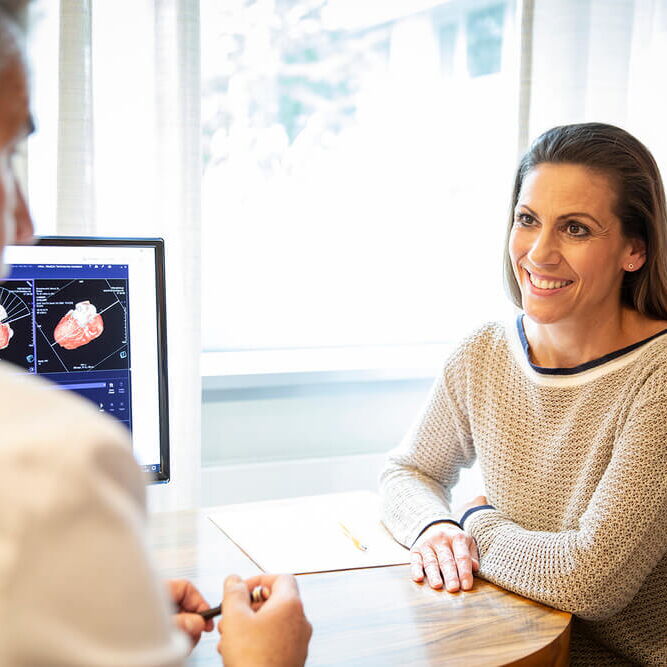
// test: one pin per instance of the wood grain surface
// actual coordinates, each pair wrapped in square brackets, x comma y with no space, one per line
[376,616]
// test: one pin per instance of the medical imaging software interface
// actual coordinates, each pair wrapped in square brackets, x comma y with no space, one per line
[69,323]
[87,314]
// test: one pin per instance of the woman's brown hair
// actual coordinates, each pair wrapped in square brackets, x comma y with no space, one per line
[640,204]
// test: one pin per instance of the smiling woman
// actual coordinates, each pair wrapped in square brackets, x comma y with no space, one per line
[585,207]
[565,409]
[627,185]
[569,257]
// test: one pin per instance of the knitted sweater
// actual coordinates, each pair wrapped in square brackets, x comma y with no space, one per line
[574,462]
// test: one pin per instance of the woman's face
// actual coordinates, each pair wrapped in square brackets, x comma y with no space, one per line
[566,245]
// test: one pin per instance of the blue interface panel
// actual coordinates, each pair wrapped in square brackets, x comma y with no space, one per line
[69,323]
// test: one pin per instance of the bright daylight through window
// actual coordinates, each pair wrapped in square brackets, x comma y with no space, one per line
[357,165]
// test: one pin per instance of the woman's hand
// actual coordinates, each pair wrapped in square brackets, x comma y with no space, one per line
[188,601]
[443,549]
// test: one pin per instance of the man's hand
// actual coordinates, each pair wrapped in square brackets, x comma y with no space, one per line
[275,632]
[444,550]
[188,600]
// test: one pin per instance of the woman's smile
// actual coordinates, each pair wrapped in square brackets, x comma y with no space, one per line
[546,285]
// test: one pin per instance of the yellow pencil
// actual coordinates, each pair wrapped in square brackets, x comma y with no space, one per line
[355,541]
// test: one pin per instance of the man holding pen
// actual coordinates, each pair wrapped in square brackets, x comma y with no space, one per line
[277,634]
[77,585]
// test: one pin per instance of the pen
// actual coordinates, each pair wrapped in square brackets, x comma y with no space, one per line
[258,594]
[355,541]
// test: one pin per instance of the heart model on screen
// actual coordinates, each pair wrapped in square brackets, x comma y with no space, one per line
[79,326]
[6,331]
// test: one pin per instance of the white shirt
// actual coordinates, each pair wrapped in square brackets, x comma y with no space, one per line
[76,583]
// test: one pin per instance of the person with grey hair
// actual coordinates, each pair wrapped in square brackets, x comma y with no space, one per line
[78,587]
[564,408]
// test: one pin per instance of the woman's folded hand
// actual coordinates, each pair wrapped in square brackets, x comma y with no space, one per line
[444,551]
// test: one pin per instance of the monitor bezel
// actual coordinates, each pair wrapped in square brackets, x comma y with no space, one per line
[157,244]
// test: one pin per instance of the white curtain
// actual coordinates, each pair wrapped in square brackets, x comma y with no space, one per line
[647,90]
[601,60]
[129,165]
[75,157]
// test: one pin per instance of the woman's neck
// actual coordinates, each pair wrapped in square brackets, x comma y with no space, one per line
[570,344]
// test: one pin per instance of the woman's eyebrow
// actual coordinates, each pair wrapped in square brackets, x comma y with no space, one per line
[530,210]
[581,214]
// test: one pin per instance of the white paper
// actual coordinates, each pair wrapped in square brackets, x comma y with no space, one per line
[300,535]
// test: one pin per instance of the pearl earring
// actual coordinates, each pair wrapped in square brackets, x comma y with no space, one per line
[630,267]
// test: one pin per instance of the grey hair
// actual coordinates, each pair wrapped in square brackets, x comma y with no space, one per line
[16,11]
[13,25]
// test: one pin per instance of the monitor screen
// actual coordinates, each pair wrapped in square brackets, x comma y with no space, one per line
[89,315]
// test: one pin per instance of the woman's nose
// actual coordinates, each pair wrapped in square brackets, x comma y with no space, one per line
[544,249]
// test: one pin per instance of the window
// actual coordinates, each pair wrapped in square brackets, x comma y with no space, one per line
[44,80]
[357,168]
[484,30]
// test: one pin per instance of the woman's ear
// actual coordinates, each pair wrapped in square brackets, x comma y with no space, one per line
[635,257]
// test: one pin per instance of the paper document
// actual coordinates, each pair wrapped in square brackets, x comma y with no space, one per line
[337,531]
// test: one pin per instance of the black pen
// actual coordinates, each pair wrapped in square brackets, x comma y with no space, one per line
[258,594]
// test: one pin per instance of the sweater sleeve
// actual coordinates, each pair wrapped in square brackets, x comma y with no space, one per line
[418,477]
[78,585]
[595,570]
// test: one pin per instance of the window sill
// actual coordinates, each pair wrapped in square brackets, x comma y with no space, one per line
[258,368]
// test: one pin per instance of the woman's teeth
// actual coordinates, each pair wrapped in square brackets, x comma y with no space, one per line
[547,284]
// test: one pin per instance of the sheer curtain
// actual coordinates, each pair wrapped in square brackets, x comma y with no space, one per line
[601,60]
[647,91]
[128,164]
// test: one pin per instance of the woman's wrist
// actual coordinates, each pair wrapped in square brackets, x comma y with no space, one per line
[472,510]
[453,522]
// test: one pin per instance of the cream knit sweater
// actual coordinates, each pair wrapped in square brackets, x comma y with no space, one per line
[576,466]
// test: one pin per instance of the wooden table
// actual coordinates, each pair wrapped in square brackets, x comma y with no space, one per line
[375,616]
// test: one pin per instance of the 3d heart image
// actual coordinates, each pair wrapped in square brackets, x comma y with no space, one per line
[6,331]
[79,326]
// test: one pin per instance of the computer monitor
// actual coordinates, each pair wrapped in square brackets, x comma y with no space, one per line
[89,314]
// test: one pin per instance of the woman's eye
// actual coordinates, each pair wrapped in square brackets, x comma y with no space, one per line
[524,219]
[575,229]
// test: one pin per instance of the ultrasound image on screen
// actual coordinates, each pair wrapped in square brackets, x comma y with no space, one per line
[81,325]
[16,317]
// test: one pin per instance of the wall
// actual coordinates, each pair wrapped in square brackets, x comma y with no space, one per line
[291,440]
[279,423]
